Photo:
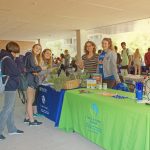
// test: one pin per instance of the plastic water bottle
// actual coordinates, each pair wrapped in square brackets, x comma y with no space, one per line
[139,90]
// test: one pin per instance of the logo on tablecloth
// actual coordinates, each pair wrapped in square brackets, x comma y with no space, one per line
[93,121]
[43,99]
[95,109]
[41,89]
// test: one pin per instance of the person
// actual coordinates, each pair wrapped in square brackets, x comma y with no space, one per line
[10,69]
[137,59]
[119,60]
[108,65]
[147,61]
[99,51]
[62,65]
[46,62]
[126,59]
[43,75]
[89,60]
[33,67]
[67,58]
[73,65]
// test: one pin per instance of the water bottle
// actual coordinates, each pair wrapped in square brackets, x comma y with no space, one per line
[139,90]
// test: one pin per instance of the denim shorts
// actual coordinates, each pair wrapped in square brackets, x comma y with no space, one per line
[33,81]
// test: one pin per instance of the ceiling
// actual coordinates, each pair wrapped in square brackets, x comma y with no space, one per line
[48,19]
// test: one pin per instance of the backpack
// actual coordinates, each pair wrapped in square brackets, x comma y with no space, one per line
[22,68]
[2,85]
[21,63]
[127,51]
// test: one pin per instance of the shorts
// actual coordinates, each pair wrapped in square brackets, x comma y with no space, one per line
[33,81]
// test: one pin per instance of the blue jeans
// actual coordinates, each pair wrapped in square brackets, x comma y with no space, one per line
[7,113]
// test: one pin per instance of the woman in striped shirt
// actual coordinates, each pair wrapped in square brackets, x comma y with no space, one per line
[90,58]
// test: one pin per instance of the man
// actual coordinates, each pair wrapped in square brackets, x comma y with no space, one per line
[118,56]
[126,59]
[147,61]
[67,58]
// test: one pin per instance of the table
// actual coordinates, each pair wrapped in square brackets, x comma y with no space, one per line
[113,124]
[49,103]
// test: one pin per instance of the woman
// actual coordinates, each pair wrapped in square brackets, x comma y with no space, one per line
[89,59]
[137,59]
[10,69]
[46,62]
[33,68]
[108,64]
[43,75]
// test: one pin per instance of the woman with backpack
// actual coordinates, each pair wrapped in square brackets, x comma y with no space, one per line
[9,68]
[33,68]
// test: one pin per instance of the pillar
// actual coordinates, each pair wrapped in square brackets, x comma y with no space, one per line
[81,37]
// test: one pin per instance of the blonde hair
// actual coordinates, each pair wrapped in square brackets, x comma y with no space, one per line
[110,43]
[137,53]
[85,47]
[49,61]
[38,58]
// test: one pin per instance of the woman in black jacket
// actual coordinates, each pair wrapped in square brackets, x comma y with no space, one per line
[33,67]
[10,69]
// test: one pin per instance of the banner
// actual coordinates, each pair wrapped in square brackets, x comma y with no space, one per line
[49,103]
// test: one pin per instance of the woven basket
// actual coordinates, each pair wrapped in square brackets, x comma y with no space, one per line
[72,84]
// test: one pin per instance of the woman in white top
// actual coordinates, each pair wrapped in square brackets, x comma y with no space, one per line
[137,59]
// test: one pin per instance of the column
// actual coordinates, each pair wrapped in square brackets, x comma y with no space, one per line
[81,37]
[39,41]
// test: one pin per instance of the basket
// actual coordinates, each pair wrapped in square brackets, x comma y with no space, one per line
[72,84]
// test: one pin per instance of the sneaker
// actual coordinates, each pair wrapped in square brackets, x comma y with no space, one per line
[35,123]
[26,120]
[17,132]
[37,115]
[2,137]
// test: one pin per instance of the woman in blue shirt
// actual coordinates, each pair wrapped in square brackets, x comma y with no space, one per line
[108,64]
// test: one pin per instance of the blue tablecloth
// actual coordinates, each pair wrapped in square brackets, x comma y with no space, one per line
[49,103]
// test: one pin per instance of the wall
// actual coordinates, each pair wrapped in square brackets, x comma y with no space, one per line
[24,45]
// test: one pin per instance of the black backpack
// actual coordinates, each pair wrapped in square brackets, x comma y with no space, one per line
[21,63]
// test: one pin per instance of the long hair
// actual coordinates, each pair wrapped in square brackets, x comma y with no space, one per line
[37,58]
[110,43]
[85,47]
[137,53]
[47,61]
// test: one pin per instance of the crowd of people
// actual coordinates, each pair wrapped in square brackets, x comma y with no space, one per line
[37,66]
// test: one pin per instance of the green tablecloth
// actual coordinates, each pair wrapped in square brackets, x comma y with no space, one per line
[113,124]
